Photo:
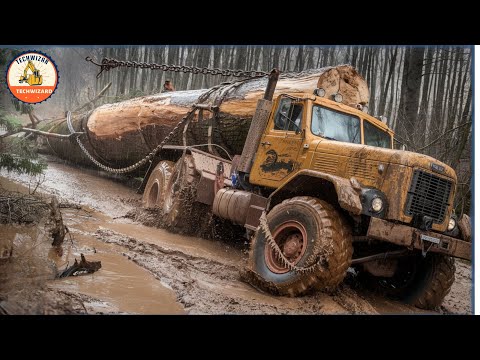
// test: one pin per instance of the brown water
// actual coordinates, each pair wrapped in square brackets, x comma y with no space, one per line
[121,283]
[204,274]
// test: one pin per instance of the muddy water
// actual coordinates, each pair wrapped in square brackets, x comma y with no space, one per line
[141,274]
[81,186]
[119,286]
[120,283]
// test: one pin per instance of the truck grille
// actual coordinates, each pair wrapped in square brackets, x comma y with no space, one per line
[428,195]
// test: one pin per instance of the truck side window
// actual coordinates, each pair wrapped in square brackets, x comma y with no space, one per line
[289,116]
[375,136]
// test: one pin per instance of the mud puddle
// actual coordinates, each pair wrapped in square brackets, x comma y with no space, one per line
[149,270]
[120,285]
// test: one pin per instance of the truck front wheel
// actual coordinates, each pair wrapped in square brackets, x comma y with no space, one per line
[312,236]
[419,281]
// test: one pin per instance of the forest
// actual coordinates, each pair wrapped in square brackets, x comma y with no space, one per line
[424,92]
[152,245]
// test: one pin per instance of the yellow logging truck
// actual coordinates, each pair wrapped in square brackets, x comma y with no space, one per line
[319,188]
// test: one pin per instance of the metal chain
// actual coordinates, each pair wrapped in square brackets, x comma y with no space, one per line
[289,265]
[137,164]
[108,63]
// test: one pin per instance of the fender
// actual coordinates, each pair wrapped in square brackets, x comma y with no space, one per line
[347,191]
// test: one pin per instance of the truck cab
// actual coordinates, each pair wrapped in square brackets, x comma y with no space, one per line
[340,193]
[313,133]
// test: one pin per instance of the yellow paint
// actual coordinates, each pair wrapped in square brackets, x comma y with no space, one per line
[308,151]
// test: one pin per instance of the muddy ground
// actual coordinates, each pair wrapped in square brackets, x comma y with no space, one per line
[147,270]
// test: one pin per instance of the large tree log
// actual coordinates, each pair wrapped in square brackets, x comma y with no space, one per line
[122,133]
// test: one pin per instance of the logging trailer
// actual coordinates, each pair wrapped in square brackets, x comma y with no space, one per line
[319,188]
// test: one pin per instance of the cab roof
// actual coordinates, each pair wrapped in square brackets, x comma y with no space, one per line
[344,108]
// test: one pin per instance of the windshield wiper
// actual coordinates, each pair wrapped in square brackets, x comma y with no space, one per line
[328,137]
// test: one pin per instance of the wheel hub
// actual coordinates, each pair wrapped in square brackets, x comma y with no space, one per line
[291,238]
[293,245]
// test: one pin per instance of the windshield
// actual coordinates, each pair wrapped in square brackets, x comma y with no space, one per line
[335,125]
[376,137]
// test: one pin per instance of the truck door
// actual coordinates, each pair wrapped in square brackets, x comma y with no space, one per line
[280,145]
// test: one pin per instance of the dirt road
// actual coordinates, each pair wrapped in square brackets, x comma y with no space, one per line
[151,271]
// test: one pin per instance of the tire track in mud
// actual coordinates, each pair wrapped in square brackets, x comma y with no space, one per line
[206,286]
[203,279]
[202,286]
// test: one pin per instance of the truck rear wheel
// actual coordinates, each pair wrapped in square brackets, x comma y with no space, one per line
[312,237]
[154,194]
[180,194]
[423,282]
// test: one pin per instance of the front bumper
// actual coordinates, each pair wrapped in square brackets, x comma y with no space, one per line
[412,238]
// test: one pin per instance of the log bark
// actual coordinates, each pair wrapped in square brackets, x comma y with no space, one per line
[122,133]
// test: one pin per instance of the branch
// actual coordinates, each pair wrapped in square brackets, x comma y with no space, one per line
[100,94]
[445,133]
[42,133]
[47,134]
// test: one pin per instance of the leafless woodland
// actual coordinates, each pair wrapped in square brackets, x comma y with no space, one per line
[425,92]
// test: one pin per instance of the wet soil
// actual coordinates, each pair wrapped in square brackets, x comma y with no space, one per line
[148,270]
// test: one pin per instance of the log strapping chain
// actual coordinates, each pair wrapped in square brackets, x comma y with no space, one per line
[289,265]
[108,63]
[138,164]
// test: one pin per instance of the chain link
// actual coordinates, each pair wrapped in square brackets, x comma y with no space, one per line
[289,265]
[137,164]
[108,63]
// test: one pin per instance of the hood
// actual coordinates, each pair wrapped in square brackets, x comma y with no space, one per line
[386,156]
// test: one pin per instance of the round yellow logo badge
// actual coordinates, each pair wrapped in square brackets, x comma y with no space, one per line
[32,77]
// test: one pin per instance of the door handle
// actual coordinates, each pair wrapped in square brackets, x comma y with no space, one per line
[266,143]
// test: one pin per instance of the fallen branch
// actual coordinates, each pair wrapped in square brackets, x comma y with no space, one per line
[34,119]
[42,133]
[81,268]
[53,135]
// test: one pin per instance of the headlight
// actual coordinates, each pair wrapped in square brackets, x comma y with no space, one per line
[451,224]
[338,97]
[319,92]
[377,204]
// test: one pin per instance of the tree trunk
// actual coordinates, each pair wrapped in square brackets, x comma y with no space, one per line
[122,133]
[412,81]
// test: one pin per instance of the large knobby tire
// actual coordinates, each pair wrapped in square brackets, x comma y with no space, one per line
[180,194]
[321,233]
[154,194]
[422,282]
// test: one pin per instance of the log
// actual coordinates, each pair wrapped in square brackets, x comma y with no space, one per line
[81,268]
[122,133]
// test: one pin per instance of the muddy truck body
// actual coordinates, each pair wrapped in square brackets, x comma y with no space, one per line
[319,189]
